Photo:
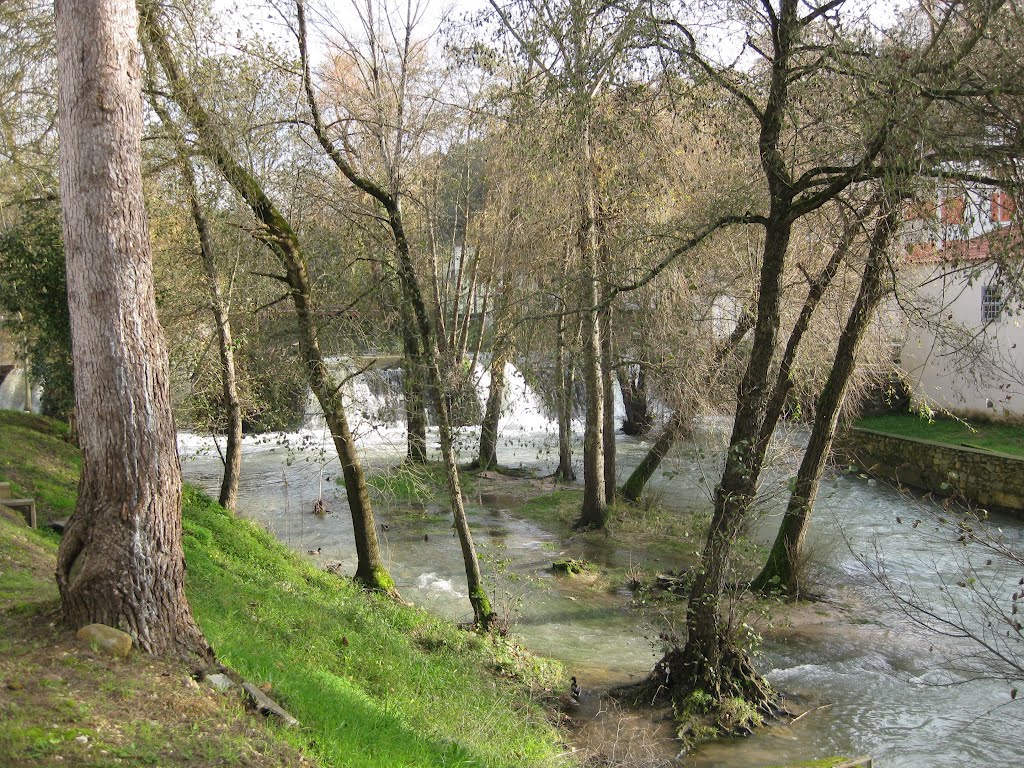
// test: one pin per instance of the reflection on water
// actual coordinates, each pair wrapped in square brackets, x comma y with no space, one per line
[867,687]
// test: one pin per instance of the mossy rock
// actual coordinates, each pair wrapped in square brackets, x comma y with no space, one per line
[570,566]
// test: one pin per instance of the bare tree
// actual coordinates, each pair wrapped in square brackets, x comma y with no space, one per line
[283,240]
[389,198]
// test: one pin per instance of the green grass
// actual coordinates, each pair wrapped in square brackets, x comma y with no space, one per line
[987,436]
[376,684]
[40,463]
[372,682]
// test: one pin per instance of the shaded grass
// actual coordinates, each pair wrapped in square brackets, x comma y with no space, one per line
[40,463]
[986,436]
[62,704]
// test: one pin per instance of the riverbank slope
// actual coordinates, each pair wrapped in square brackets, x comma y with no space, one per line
[371,682]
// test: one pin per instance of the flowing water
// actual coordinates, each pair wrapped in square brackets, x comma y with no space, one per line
[870,685]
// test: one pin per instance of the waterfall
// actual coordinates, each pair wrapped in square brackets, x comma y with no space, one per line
[12,392]
[374,401]
[373,398]
[521,407]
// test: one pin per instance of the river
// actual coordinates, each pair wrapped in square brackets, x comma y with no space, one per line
[874,683]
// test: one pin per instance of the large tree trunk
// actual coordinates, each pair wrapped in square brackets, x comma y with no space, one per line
[120,562]
[370,569]
[784,567]
[595,505]
[710,660]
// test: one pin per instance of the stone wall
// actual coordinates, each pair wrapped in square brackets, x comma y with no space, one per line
[990,480]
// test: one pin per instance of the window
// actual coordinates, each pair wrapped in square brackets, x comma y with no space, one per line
[1002,206]
[991,303]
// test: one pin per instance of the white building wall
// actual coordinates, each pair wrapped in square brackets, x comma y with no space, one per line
[953,359]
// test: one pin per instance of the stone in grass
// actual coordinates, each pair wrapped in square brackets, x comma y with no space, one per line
[220,681]
[108,639]
[267,706]
[570,566]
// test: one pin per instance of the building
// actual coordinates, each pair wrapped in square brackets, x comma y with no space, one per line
[963,344]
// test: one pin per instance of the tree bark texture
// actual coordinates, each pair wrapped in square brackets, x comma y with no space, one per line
[708,644]
[785,561]
[370,569]
[121,561]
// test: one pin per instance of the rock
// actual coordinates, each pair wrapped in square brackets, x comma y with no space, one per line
[52,679]
[82,739]
[220,682]
[266,706]
[570,566]
[191,683]
[108,639]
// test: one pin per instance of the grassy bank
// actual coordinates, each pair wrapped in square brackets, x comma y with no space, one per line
[984,435]
[39,462]
[372,683]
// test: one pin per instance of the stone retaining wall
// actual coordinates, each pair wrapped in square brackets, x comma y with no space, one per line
[991,480]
